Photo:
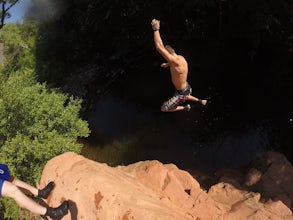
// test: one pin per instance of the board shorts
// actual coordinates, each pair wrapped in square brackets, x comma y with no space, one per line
[4,175]
[178,98]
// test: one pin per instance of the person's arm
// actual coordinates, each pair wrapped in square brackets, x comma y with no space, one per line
[159,43]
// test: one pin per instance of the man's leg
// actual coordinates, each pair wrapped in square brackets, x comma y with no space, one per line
[12,191]
[178,108]
[31,190]
[194,99]
[24,187]
[174,104]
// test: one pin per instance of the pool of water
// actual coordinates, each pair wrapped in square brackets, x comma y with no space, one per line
[122,133]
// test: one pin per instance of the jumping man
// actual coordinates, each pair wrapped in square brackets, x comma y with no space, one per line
[179,71]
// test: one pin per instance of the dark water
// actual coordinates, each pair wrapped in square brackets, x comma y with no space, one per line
[249,112]
[123,133]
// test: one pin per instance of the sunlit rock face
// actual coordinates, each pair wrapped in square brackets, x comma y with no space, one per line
[148,190]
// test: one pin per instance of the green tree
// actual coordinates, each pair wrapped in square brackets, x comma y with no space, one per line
[36,123]
[4,12]
[30,113]
[19,46]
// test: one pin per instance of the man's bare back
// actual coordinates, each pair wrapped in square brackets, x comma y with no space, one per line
[179,71]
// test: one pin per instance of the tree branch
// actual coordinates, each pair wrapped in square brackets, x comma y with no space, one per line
[5,10]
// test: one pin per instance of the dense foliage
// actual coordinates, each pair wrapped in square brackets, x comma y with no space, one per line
[36,123]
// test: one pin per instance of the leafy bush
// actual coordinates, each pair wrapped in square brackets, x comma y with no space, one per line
[36,123]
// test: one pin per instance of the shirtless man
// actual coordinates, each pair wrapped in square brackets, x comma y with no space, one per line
[179,71]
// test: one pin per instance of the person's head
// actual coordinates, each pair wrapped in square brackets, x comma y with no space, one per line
[170,49]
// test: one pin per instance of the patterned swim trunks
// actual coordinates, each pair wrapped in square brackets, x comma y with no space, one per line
[178,98]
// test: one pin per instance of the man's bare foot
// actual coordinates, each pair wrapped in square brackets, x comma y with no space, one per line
[203,101]
[187,108]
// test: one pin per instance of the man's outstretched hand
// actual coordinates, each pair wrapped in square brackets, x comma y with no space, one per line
[165,65]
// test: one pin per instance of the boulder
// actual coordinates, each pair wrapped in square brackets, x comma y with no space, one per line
[148,190]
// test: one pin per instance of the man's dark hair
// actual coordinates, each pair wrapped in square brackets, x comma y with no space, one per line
[170,49]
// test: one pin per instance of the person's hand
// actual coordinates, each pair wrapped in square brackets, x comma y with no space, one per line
[155,24]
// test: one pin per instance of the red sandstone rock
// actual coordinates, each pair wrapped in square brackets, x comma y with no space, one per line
[242,204]
[277,181]
[148,190]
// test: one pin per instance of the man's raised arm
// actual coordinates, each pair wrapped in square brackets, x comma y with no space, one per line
[158,41]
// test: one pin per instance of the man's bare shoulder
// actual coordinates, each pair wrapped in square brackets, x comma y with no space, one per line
[179,60]
[181,57]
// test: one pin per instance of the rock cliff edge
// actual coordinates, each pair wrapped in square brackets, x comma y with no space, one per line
[150,190]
